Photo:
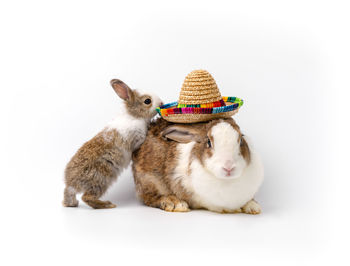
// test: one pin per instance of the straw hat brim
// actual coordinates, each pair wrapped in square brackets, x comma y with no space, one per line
[232,106]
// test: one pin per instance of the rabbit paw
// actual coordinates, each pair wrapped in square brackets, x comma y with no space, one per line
[181,206]
[110,205]
[231,211]
[251,207]
[173,204]
[72,203]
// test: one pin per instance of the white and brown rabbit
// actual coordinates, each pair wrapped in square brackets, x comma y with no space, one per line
[205,165]
[100,160]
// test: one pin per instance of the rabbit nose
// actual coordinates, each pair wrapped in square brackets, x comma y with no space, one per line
[228,165]
[228,172]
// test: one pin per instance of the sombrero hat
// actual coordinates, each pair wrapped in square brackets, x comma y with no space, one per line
[200,100]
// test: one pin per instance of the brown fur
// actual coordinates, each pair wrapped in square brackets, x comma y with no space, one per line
[134,101]
[136,107]
[153,175]
[153,192]
[97,164]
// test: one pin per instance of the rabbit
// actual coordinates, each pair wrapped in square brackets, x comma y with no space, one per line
[99,162]
[198,166]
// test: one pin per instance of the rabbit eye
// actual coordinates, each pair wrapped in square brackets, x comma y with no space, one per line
[209,143]
[241,141]
[147,101]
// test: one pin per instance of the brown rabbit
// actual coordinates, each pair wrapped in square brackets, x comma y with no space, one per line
[204,165]
[100,160]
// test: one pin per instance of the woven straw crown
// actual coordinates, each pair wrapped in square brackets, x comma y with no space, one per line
[200,100]
[199,87]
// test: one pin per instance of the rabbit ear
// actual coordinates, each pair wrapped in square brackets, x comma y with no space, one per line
[123,91]
[179,134]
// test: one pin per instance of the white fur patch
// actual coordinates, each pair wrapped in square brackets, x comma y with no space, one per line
[226,152]
[125,124]
[181,171]
[218,194]
[210,190]
[129,128]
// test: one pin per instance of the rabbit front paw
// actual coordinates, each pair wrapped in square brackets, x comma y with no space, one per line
[251,207]
[173,204]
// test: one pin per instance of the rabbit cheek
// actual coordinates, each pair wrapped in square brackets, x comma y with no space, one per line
[244,150]
[206,155]
[146,104]
[201,153]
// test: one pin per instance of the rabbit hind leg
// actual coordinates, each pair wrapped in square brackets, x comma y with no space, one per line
[93,201]
[154,193]
[69,197]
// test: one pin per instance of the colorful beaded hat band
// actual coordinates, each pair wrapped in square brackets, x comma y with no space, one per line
[199,101]
[211,108]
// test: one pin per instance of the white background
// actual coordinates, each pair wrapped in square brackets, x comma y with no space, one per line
[288,60]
